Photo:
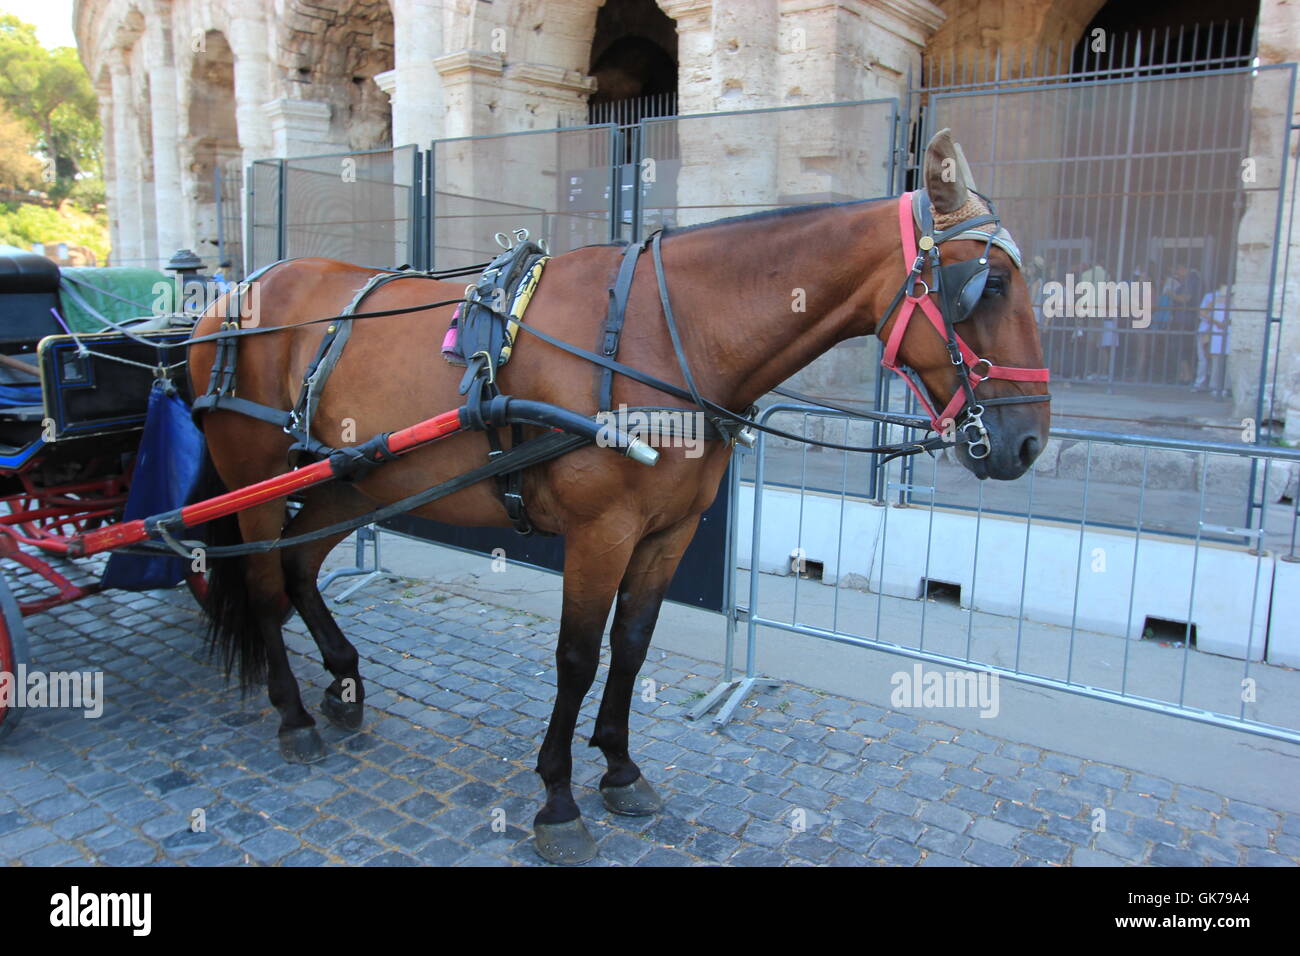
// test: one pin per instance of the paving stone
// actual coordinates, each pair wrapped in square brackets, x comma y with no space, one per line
[459,696]
[989,854]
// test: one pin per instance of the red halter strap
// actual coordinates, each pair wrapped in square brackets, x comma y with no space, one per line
[931,310]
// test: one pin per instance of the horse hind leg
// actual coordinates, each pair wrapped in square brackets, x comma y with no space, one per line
[623,788]
[265,588]
[344,701]
[595,557]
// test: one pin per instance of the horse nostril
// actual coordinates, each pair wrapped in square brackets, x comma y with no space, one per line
[1029,449]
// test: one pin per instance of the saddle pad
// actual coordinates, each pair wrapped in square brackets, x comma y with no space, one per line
[511,278]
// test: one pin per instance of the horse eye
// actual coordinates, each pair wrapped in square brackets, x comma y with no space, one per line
[996,285]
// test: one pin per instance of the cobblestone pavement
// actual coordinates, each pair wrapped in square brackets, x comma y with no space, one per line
[442,772]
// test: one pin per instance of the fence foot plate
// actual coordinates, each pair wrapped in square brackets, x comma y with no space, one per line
[739,690]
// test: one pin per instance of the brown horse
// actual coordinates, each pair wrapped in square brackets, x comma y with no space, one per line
[625,525]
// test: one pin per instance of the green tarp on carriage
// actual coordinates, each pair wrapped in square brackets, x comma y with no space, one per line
[92,286]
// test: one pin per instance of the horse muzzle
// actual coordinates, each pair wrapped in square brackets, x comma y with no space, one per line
[1002,444]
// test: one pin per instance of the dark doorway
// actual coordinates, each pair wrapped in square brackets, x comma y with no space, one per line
[1169,36]
[634,63]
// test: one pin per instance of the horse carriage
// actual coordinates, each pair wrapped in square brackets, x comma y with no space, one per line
[80,357]
[306,379]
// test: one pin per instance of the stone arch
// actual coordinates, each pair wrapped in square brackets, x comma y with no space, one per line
[973,29]
[634,55]
[332,50]
[212,142]
[1165,28]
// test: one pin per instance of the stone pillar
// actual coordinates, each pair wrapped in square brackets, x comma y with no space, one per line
[727,61]
[129,246]
[416,87]
[300,128]
[839,51]
[250,36]
[1279,38]
[168,201]
[105,95]
[471,82]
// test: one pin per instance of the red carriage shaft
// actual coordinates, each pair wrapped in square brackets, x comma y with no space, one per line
[241,499]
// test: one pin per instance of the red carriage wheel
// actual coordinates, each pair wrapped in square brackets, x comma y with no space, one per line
[13,653]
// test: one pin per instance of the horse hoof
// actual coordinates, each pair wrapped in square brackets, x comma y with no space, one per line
[302,745]
[343,715]
[637,799]
[565,843]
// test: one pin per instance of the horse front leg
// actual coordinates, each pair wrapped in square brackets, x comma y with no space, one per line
[595,558]
[624,788]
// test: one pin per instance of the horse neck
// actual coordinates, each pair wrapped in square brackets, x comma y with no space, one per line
[735,292]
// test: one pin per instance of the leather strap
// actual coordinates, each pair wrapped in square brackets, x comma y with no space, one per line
[614,318]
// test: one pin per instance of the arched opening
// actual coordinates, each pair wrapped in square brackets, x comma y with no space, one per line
[634,63]
[1168,36]
[214,153]
[334,48]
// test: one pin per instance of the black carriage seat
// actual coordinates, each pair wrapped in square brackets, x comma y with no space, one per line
[29,289]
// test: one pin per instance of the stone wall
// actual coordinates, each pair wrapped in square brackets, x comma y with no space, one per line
[189,84]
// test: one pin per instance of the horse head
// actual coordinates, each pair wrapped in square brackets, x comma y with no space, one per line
[963,333]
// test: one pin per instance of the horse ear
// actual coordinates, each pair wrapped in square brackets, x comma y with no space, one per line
[946,173]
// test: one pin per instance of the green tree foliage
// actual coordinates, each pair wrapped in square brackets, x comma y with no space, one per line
[26,223]
[20,170]
[49,91]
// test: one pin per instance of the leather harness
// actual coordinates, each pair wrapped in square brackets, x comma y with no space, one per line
[479,384]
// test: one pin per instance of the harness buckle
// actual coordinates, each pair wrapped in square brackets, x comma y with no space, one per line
[487,361]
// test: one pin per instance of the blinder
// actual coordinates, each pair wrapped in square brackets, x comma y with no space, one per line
[961,284]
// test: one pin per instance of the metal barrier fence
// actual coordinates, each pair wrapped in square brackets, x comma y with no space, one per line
[1129,593]
[557,184]
[360,207]
[1162,193]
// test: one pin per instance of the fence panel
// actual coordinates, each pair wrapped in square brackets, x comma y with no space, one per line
[358,207]
[557,184]
[1124,594]
[1149,209]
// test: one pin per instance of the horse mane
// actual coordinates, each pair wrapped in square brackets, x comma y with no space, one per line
[764,214]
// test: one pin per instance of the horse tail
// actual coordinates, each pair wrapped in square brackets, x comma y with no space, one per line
[232,636]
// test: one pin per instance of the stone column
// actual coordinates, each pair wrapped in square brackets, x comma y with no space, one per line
[416,91]
[1279,38]
[300,128]
[727,61]
[250,36]
[168,202]
[105,94]
[471,82]
[129,247]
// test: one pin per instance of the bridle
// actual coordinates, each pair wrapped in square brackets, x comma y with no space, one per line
[958,288]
